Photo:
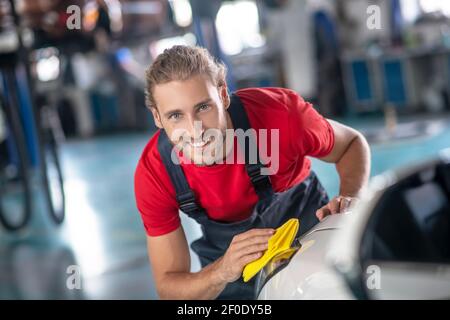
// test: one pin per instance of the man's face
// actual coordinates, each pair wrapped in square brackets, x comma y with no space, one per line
[193,114]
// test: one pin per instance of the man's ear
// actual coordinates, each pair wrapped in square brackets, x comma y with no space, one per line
[156,117]
[223,90]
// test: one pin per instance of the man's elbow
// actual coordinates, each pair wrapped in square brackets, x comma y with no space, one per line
[163,288]
[165,293]
[362,141]
[170,286]
[356,149]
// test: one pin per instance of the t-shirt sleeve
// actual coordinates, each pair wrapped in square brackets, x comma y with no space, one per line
[159,212]
[311,134]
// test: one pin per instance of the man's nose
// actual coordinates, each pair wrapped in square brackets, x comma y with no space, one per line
[195,129]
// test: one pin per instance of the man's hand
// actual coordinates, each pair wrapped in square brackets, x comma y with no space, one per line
[338,204]
[244,248]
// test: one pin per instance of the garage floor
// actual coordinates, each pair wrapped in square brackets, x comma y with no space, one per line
[103,234]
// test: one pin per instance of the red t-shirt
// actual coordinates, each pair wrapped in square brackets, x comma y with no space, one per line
[225,190]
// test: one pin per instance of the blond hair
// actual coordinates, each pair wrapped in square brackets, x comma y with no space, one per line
[180,63]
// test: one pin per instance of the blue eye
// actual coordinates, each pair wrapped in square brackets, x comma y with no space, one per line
[175,116]
[203,107]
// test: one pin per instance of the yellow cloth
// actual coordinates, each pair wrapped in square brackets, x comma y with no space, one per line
[278,243]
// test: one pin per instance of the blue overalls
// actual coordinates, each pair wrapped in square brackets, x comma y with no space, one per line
[272,210]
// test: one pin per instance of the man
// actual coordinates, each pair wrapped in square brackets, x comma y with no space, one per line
[237,206]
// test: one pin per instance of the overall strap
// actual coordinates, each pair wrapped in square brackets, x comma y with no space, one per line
[184,194]
[261,183]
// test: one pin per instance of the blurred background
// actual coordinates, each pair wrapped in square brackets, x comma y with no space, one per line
[73,121]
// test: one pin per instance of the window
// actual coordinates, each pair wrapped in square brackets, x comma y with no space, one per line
[412,9]
[435,5]
[182,12]
[237,26]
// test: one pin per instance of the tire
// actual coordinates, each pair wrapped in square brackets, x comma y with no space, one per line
[53,179]
[14,178]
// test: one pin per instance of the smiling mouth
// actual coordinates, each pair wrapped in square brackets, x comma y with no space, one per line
[199,144]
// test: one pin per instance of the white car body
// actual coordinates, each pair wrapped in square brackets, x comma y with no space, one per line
[308,275]
[329,264]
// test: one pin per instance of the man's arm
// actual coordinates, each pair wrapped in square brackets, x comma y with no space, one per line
[170,261]
[351,154]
